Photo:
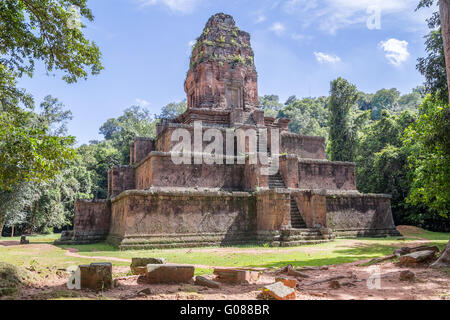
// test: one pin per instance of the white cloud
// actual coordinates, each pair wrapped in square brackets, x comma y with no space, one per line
[180,6]
[332,15]
[326,58]
[260,18]
[278,28]
[142,102]
[396,51]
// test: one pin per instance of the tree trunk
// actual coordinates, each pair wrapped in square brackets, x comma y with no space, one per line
[12,231]
[444,260]
[2,223]
[444,6]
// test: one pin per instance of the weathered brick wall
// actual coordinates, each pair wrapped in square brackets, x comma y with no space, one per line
[304,146]
[312,207]
[319,174]
[273,210]
[289,170]
[159,218]
[214,79]
[120,178]
[140,148]
[164,141]
[158,170]
[91,221]
[363,214]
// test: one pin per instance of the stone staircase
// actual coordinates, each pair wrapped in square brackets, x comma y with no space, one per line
[276,181]
[258,138]
[297,237]
[299,234]
[297,221]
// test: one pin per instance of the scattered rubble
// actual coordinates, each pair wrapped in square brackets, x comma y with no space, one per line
[279,291]
[169,273]
[139,265]
[23,240]
[202,281]
[407,275]
[289,282]
[96,276]
[236,276]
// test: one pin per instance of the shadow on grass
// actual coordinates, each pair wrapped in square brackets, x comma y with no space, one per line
[356,252]
[95,247]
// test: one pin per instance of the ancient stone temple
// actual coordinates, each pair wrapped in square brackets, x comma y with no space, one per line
[157,203]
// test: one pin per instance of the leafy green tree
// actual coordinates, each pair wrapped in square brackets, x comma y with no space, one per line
[382,162]
[32,151]
[27,151]
[49,31]
[433,66]
[290,100]
[98,158]
[173,110]
[384,99]
[121,131]
[413,100]
[430,159]
[342,135]
[270,104]
[309,116]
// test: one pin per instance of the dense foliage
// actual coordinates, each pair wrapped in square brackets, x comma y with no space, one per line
[35,150]
[342,134]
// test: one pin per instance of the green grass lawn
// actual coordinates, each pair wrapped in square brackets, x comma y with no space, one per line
[337,252]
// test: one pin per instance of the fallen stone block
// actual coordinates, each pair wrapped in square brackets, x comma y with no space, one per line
[96,276]
[289,282]
[139,265]
[236,276]
[279,291]
[23,240]
[417,257]
[407,275]
[202,281]
[169,273]
[139,270]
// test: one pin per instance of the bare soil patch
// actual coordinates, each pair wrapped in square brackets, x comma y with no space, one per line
[353,285]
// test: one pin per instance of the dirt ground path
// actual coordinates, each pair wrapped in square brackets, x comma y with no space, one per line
[357,283]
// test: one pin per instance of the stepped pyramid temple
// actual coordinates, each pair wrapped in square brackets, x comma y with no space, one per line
[290,195]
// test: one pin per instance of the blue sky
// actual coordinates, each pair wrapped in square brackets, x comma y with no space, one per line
[300,46]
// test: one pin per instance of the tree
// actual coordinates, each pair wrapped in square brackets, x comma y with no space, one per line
[433,66]
[430,158]
[32,151]
[270,104]
[309,116]
[444,6]
[384,99]
[135,122]
[173,110]
[382,162]
[49,31]
[342,135]
[27,151]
